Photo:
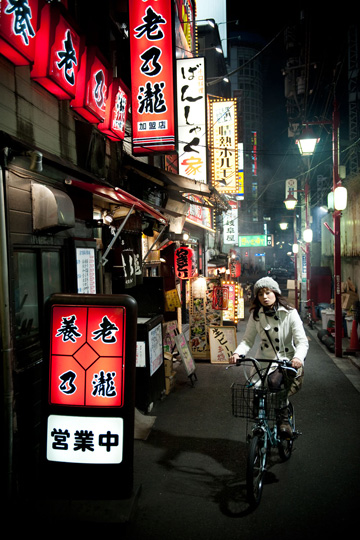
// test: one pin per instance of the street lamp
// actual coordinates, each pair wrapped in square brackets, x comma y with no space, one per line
[335,123]
[290,203]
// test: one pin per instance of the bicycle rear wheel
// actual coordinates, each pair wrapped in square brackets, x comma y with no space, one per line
[256,467]
[286,445]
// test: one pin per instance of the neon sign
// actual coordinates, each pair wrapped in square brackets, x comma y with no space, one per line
[18,28]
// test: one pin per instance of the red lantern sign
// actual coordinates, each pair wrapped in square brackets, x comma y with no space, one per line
[92,87]
[19,23]
[220,297]
[235,268]
[185,265]
[57,54]
[117,106]
[151,48]
[87,350]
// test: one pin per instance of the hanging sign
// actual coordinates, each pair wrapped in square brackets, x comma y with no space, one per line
[92,87]
[151,49]
[235,268]
[19,23]
[224,145]
[191,118]
[220,297]
[57,54]
[117,106]
[185,265]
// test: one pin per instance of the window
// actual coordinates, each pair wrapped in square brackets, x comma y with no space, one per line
[37,274]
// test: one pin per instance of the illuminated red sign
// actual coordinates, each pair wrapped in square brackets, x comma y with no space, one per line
[92,86]
[151,46]
[220,297]
[117,106]
[87,356]
[19,22]
[57,54]
[185,265]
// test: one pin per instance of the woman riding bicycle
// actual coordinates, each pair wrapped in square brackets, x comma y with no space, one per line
[282,335]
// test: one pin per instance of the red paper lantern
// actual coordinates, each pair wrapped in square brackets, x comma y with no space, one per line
[92,86]
[57,54]
[19,23]
[220,297]
[117,106]
[235,268]
[185,266]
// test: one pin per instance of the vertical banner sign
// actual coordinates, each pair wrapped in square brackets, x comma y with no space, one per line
[92,87]
[88,416]
[117,106]
[57,54]
[151,48]
[230,224]
[191,117]
[223,144]
[19,23]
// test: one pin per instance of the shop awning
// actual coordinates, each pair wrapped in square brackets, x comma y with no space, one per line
[179,185]
[118,196]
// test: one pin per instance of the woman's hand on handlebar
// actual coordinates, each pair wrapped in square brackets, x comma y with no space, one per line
[296,363]
[235,358]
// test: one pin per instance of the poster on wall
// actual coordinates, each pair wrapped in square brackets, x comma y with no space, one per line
[222,343]
[85,270]
[155,348]
[202,315]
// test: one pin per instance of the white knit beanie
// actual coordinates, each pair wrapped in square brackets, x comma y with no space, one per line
[267,282]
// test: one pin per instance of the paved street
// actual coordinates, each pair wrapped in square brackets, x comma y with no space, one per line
[192,466]
[189,479]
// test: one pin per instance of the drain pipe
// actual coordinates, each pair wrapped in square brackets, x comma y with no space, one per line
[6,341]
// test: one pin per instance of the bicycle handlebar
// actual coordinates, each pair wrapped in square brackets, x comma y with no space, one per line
[283,363]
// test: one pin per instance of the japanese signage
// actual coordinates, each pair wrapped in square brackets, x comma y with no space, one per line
[254,159]
[191,117]
[256,240]
[223,144]
[86,274]
[151,47]
[231,312]
[57,54]
[241,171]
[87,356]
[235,268]
[220,297]
[185,264]
[78,439]
[92,87]
[184,25]
[19,22]
[197,214]
[155,348]
[117,106]
[230,224]
[222,343]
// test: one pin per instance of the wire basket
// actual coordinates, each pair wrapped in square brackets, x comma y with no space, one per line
[245,401]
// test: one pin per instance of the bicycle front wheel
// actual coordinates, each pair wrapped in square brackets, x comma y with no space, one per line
[255,471]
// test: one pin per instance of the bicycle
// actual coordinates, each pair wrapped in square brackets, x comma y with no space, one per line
[254,401]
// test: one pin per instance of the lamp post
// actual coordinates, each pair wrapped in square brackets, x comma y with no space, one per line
[290,203]
[335,123]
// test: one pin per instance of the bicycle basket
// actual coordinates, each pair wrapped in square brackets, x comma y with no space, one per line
[245,401]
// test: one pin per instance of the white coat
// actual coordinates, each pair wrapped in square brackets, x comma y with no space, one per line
[286,331]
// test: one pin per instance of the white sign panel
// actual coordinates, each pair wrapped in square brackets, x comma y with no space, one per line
[140,354]
[83,439]
[191,111]
[230,221]
[155,348]
[85,267]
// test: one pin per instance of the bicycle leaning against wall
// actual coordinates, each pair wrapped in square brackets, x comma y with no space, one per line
[254,401]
